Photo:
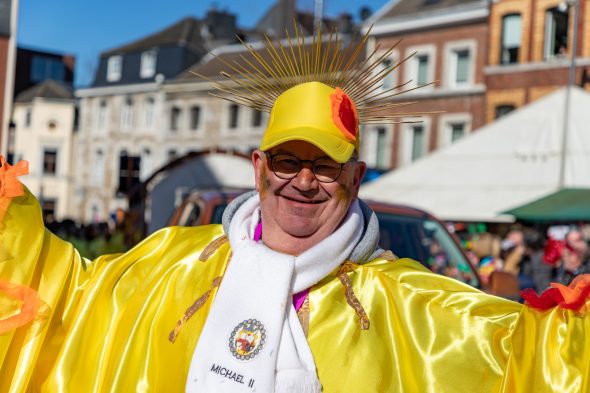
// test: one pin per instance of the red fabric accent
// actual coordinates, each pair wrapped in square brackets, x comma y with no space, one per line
[344,114]
[572,297]
[552,252]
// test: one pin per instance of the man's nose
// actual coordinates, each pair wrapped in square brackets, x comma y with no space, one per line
[305,179]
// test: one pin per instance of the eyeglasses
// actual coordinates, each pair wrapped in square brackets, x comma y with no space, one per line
[324,169]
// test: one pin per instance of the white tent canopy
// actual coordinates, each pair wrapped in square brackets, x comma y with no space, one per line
[508,163]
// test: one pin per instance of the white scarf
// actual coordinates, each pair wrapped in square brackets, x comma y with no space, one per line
[252,339]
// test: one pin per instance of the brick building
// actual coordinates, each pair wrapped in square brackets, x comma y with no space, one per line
[529,51]
[486,58]
[449,39]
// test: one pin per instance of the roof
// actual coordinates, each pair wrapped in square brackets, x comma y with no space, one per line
[280,17]
[49,89]
[506,164]
[186,32]
[410,7]
[216,61]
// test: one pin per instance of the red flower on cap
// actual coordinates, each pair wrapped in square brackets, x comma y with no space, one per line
[344,114]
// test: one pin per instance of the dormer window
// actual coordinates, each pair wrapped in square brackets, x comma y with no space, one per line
[148,64]
[114,68]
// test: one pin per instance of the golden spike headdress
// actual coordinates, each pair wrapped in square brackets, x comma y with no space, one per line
[345,82]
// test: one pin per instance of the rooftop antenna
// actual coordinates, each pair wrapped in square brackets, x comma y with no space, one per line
[318,15]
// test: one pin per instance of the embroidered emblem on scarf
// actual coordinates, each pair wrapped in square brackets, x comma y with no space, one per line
[247,339]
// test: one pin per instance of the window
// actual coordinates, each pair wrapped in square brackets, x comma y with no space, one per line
[48,207]
[98,167]
[174,118]
[114,68]
[127,114]
[49,161]
[456,131]
[422,69]
[28,116]
[503,110]
[234,112]
[129,167]
[453,126]
[256,118]
[418,141]
[44,68]
[419,69]
[556,25]
[10,143]
[414,140]
[52,125]
[147,163]
[381,146]
[195,117]
[102,115]
[148,114]
[461,61]
[511,35]
[172,154]
[388,82]
[148,64]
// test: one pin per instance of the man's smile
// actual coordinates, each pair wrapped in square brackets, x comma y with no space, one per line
[302,200]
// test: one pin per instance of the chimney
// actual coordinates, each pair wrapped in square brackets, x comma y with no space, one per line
[222,24]
[345,24]
[365,13]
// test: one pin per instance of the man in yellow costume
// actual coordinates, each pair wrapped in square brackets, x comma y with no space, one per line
[291,294]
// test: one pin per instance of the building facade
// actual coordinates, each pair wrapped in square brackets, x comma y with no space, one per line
[44,122]
[442,46]
[486,59]
[129,127]
[530,48]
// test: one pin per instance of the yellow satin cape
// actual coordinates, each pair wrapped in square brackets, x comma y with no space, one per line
[105,325]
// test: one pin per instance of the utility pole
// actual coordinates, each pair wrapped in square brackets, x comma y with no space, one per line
[573,5]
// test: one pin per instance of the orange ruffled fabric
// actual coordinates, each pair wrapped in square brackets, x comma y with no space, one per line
[10,187]
[9,184]
[572,297]
[30,304]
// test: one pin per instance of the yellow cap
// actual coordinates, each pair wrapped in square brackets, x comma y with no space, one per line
[316,113]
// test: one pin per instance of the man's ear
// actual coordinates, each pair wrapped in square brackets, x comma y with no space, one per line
[258,162]
[359,173]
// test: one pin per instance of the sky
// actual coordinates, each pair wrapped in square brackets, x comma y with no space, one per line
[87,28]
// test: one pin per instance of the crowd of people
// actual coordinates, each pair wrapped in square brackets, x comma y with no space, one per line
[536,256]
[98,238]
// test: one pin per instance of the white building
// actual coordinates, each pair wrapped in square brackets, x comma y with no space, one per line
[127,128]
[44,117]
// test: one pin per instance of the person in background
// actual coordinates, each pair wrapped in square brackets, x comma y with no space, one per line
[486,247]
[575,258]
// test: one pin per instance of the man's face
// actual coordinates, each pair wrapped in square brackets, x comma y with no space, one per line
[576,240]
[299,213]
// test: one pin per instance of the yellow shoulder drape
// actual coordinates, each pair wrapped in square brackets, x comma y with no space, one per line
[106,325]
